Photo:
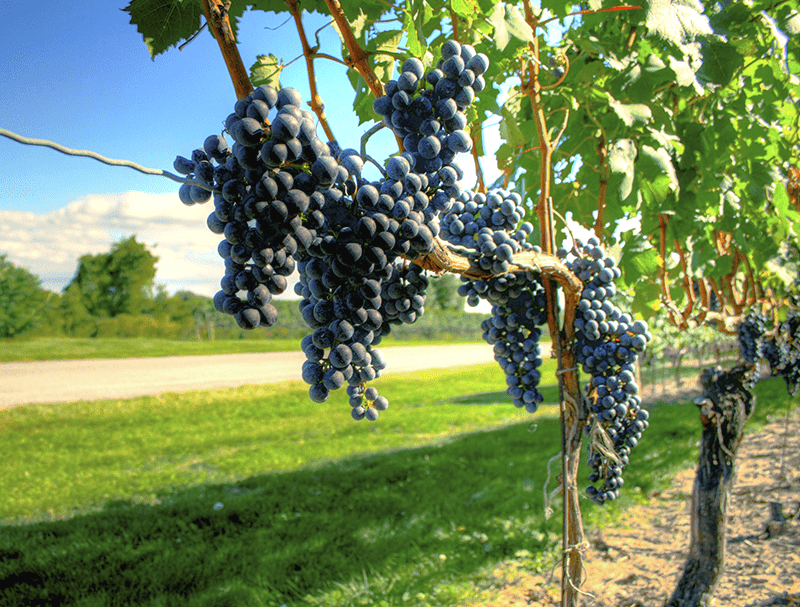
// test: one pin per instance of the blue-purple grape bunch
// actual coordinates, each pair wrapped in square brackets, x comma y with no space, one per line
[284,200]
[780,348]
[750,333]
[432,121]
[490,230]
[608,344]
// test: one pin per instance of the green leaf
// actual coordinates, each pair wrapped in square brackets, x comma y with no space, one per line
[464,8]
[647,299]
[498,21]
[517,26]
[663,162]
[414,38]
[720,62]
[165,23]
[638,264]
[621,159]
[509,129]
[266,70]
[631,113]
[362,104]
[678,21]
[685,74]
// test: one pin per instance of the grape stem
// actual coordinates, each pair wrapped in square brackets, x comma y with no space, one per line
[105,160]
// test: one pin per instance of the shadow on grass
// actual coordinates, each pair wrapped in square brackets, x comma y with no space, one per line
[415,517]
[476,497]
[550,394]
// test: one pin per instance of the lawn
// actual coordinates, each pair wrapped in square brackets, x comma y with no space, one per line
[72,348]
[256,496]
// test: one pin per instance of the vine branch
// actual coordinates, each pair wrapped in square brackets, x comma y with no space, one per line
[316,102]
[357,58]
[216,13]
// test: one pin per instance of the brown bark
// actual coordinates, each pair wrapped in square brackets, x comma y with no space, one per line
[725,408]
[357,56]
[220,25]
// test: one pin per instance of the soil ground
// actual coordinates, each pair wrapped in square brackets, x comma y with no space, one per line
[638,563]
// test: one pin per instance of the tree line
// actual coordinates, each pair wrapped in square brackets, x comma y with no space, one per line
[114,294]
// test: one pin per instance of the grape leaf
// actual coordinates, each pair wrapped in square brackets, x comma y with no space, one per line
[720,62]
[509,129]
[678,21]
[620,160]
[415,39]
[646,298]
[517,26]
[164,23]
[266,70]
[362,104]
[464,8]
[497,19]
[630,113]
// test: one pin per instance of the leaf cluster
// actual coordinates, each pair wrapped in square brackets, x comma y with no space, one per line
[680,121]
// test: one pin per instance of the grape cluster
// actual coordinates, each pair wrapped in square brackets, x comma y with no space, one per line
[608,344]
[488,228]
[781,349]
[404,295]
[431,121]
[284,200]
[750,333]
[490,225]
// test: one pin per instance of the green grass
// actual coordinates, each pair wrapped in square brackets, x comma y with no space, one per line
[71,348]
[414,509]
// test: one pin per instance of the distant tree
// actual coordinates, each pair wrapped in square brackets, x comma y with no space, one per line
[22,299]
[109,284]
[443,293]
[184,305]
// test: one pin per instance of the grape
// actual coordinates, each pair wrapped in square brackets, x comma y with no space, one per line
[284,200]
[608,344]
[750,332]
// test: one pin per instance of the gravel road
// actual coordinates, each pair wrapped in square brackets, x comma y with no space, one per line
[71,380]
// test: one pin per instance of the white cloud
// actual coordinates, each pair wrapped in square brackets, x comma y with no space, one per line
[50,244]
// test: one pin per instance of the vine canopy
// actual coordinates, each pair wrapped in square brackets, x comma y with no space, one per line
[674,125]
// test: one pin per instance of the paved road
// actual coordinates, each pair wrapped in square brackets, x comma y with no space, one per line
[71,380]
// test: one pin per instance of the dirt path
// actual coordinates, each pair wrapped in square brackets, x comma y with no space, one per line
[70,380]
[637,563]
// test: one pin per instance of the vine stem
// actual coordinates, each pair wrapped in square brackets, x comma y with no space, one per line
[574,410]
[316,102]
[357,58]
[94,155]
[216,13]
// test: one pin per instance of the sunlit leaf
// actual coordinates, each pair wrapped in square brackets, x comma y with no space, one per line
[517,26]
[165,23]
[498,21]
[464,8]
[631,113]
[266,70]
[678,21]
[621,159]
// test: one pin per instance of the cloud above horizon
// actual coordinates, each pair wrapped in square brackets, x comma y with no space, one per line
[49,245]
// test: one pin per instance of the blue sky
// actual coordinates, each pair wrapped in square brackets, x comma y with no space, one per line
[82,77]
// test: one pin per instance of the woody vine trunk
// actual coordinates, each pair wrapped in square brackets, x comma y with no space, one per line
[726,406]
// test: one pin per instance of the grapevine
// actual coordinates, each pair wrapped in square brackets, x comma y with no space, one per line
[286,201]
